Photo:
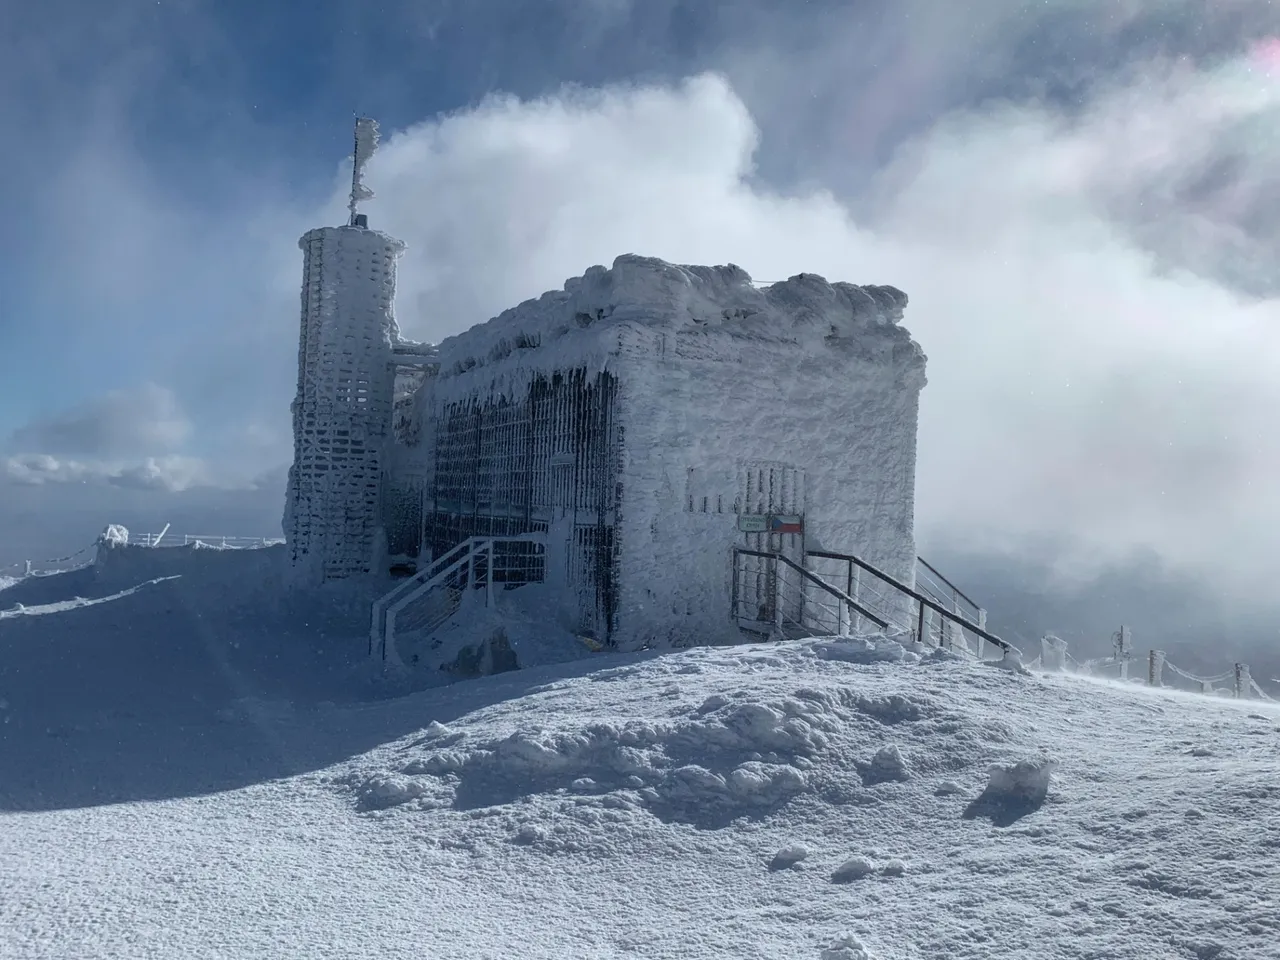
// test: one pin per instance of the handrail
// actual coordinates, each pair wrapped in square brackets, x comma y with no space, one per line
[393,612]
[937,573]
[376,628]
[918,597]
[817,581]
[382,631]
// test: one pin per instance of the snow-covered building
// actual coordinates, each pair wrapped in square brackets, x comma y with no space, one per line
[644,421]
[648,418]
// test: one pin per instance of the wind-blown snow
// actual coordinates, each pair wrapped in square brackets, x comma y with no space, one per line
[764,801]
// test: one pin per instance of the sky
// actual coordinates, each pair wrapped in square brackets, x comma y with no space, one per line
[1079,197]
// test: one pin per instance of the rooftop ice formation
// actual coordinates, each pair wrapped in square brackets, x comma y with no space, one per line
[805,309]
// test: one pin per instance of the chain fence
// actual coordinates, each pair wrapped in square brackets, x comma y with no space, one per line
[1054,656]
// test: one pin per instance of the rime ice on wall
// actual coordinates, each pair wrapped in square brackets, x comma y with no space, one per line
[637,413]
[342,414]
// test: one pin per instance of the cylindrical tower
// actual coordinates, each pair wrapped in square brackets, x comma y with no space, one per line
[342,413]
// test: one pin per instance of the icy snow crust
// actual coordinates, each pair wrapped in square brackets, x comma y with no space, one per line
[718,379]
[645,291]
[822,799]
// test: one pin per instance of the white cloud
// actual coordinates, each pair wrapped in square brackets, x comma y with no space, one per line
[170,474]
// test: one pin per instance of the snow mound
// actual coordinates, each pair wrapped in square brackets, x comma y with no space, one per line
[728,759]
[887,765]
[863,650]
[729,753]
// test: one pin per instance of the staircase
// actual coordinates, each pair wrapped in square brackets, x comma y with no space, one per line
[423,602]
[834,594]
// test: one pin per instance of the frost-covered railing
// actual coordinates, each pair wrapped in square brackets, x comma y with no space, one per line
[32,568]
[774,594]
[867,593]
[931,582]
[421,603]
[1054,656]
[166,539]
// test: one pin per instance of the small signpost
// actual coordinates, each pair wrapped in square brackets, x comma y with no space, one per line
[752,523]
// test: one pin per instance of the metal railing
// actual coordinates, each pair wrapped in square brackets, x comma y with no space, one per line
[836,593]
[929,619]
[166,539]
[425,601]
[931,582]
[776,595]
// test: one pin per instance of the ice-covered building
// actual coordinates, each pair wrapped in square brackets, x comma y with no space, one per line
[651,424]
[648,418]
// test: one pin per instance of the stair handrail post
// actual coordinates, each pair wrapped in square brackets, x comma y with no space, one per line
[734,588]
[920,623]
[777,595]
[856,593]
[488,586]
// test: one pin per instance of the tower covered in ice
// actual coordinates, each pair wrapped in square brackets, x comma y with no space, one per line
[343,409]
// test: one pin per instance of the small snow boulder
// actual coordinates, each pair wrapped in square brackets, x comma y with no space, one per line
[788,857]
[888,764]
[846,948]
[855,868]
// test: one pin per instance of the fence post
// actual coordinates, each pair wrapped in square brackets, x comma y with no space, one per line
[920,625]
[26,571]
[1053,653]
[1155,668]
[1124,650]
[1243,681]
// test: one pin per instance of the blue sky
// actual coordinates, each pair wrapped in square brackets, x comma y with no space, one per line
[1080,196]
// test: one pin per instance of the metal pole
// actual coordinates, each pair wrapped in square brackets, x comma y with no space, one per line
[920,625]
[856,580]
[777,596]
[489,580]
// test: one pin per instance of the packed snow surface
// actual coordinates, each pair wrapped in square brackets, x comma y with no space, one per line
[776,800]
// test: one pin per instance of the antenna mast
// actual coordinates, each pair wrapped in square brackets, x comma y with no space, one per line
[366,142]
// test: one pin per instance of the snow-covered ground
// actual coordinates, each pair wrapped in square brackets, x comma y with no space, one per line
[824,799]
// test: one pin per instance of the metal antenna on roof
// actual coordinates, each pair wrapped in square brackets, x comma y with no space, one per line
[366,142]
